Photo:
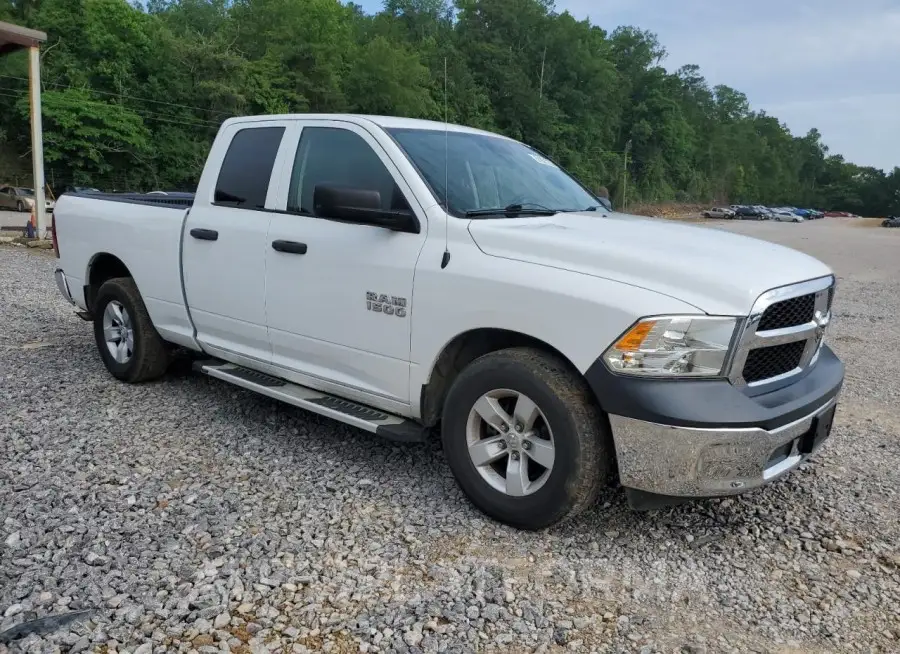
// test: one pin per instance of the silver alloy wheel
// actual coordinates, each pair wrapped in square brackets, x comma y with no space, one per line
[118,332]
[510,442]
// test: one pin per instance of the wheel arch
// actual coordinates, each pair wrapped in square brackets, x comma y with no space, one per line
[102,267]
[460,351]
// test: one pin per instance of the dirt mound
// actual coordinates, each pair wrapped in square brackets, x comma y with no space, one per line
[672,211]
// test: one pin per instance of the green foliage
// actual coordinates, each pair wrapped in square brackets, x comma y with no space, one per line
[89,135]
[386,78]
[134,92]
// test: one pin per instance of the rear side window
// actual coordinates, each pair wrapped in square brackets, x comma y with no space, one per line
[244,178]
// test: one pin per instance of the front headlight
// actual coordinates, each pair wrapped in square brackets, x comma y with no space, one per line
[673,346]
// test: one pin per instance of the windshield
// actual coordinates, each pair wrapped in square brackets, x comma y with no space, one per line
[24,191]
[488,172]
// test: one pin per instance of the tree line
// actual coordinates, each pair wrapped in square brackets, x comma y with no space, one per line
[133,94]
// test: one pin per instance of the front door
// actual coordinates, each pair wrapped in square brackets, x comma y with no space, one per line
[339,312]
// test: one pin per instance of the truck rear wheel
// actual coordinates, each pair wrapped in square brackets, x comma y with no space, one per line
[524,439]
[128,342]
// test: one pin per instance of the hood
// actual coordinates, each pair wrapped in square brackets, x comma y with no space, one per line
[716,271]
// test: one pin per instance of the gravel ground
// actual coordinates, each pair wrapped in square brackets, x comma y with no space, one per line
[194,516]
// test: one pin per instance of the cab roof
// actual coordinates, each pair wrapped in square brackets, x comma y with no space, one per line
[385,122]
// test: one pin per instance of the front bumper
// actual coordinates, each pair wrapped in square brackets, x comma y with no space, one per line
[678,439]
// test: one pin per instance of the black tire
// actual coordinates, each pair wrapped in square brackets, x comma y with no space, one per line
[151,356]
[20,206]
[584,456]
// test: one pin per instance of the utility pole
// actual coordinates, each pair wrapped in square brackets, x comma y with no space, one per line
[543,60]
[37,142]
[625,177]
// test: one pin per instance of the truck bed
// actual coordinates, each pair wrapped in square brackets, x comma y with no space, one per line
[138,234]
[173,200]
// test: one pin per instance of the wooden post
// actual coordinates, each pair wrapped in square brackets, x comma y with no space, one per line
[37,142]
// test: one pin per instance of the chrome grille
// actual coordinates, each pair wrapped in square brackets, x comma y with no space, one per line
[783,333]
[767,362]
[788,313]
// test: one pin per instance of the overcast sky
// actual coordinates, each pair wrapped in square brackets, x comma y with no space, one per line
[830,64]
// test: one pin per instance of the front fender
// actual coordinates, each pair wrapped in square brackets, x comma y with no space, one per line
[576,314]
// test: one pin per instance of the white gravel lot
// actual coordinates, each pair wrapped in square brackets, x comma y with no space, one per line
[194,516]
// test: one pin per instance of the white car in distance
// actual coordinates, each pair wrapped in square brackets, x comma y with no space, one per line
[718,212]
[785,216]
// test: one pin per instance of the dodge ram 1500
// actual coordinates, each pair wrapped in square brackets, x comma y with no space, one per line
[402,275]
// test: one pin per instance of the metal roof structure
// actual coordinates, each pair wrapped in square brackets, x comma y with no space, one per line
[15,37]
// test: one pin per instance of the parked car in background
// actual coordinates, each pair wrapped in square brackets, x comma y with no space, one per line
[718,212]
[765,212]
[749,213]
[840,214]
[20,199]
[891,221]
[785,216]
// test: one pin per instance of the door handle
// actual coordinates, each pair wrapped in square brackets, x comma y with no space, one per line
[205,234]
[292,247]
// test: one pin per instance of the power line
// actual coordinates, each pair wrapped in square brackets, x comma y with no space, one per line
[149,115]
[122,95]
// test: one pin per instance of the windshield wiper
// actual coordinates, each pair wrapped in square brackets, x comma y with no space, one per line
[512,210]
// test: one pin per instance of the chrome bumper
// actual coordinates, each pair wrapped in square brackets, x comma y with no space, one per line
[691,462]
[63,285]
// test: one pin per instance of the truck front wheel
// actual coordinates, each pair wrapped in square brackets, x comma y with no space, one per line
[129,345]
[524,439]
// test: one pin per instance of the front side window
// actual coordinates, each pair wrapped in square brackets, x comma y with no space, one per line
[476,172]
[247,168]
[332,156]
[26,192]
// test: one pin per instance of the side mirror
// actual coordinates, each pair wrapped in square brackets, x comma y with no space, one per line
[361,206]
[606,203]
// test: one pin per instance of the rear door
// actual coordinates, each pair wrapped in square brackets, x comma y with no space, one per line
[6,200]
[225,246]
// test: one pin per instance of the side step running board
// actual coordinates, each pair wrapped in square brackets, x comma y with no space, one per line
[378,422]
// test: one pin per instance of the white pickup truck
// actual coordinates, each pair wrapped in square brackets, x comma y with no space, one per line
[400,275]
